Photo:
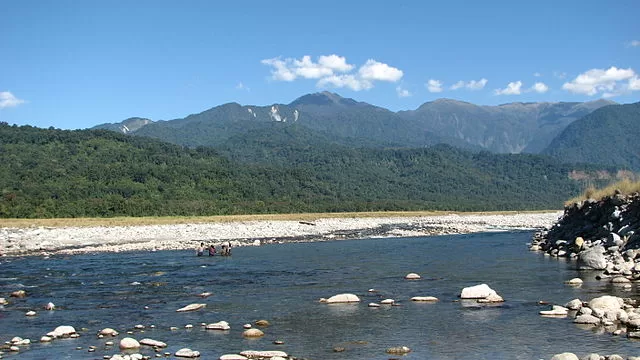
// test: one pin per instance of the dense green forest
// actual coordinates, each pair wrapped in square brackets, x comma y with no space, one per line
[88,173]
[606,136]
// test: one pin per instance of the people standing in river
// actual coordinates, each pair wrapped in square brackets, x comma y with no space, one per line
[200,250]
[212,250]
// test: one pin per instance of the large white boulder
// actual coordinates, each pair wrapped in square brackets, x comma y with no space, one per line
[424,299]
[62,331]
[606,303]
[154,343]
[343,298]
[191,307]
[412,276]
[253,333]
[129,343]
[481,291]
[220,325]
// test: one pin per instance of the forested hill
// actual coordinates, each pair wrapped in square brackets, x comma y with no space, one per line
[606,136]
[60,173]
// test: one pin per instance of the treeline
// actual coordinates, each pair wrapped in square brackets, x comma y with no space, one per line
[98,173]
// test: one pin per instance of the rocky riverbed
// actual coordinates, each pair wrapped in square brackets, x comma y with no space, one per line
[70,240]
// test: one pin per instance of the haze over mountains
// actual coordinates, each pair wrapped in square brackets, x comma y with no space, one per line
[328,118]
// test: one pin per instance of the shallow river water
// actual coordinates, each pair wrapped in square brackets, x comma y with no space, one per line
[282,284]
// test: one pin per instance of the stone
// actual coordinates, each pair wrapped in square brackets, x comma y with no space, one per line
[556,310]
[574,282]
[398,350]
[587,319]
[205,294]
[387,302]
[492,298]
[46,338]
[19,294]
[263,323]
[253,354]
[477,292]
[343,298]
[30,313]
[578,242]
[574,304]
[232,357]
[220,325]
[592,259]
[373,305]
[620,280]
[50,306]
[108,332]
[615,357]
[565,356]
[187,353]
[192,307]
[424,299]
[412,276]
[129,343]
[606,303]
[253,333]
[3,301]
[154,343]
[62,331]
[247,326]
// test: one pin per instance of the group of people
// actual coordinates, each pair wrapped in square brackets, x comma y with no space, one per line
[226,249]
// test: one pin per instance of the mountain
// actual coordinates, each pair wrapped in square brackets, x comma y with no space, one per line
[606,136]
[127,126]
[87,173]
[507,128]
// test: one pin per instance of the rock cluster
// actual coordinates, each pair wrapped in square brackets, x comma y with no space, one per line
[601,235]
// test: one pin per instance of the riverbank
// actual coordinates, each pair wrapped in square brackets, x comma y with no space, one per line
[35,240]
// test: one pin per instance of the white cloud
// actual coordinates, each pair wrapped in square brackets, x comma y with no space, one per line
[335,62]
[332,70]
[559,75]
[7,99]
[434,86]
[634,43]
[634,83]
[540,87]
[457,85]
[402,92]
[513,88]
[374,70]
[349,81]
[609,82]
[471,85]
[537,74]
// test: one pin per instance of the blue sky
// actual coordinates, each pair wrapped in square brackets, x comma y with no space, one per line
[76,64]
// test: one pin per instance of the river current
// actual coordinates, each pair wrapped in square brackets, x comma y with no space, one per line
[282,284]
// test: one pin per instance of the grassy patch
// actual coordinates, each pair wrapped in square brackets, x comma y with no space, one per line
[624,186]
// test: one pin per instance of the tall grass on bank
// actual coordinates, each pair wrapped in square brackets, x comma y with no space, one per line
[625,186]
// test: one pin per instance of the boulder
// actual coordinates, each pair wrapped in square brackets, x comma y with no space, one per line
[62,331]
[424,299]
[252,354]
[263,323]
[492,298]
[30,313]
[3,301]
[398,350]
[108,332]
[232,357]
[477,292]
[606,303]
[154,343]
[46,339]
[574,304]
[387,302]
[50,306]
[252,333]
[19,294]
[565,356]
[412,276]
[586,319]
[220,325]
[374,305]
[192,307]
[343,298]
[129,343]
[187,353]
[592,259]
[574,282]
[556,310]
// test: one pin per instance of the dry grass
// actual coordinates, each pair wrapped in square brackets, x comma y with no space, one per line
[624,186]
[137,221]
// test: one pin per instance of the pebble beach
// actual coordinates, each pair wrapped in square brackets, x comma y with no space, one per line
[77,240]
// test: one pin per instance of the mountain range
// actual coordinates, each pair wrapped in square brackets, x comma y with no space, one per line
[328,118]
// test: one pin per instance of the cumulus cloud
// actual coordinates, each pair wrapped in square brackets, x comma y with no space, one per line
[634,83]
[540,87]
[513,88]
[609,82]
[7,99]
[332,70]
[402,92]
[471,85]
[349,81]
[434,86]
[374,70]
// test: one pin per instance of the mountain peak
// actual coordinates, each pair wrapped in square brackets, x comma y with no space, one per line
[323,98]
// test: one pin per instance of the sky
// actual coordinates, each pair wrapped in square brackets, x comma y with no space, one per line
[77,64]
